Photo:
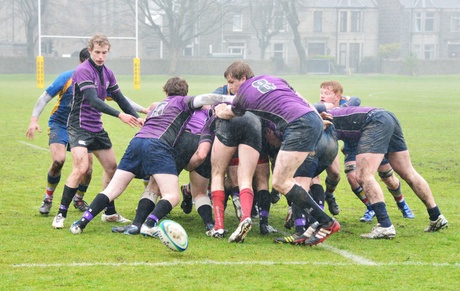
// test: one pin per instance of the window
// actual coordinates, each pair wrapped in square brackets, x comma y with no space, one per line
[429,21]
[424,52]
[343,21]
[188,51]
[278,50]
[350,21]
[428,52]
[318,21]
[418,22]
[236,48]
[315,49]
[355,25]
[237,22]
[424,22]
[453,51]
[455,22]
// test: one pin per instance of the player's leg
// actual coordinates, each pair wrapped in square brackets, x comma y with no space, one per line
[401,163]
[58,155]
[107,159]
[117,185]
[394,187]
[170,197]
[80,164]
[199,189]
[78,201]
[332,180]
[220,158]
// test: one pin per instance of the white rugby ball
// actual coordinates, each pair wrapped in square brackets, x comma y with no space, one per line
[173,235]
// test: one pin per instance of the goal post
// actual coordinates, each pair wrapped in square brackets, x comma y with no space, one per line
[40,61]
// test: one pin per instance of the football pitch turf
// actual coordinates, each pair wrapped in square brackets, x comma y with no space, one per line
[34,256]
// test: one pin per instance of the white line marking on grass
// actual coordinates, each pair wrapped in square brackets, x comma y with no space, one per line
[355,258]
[33,146]
[227,263]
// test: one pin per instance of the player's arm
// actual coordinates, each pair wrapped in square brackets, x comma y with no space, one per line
[36,112]
[199,156]
[210,99]
[352,101]
[94,101]
[137,107]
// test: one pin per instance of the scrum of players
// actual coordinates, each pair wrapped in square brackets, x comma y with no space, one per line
[250,142]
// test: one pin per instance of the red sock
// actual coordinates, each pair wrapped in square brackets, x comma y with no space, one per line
[218,200]
[246,200]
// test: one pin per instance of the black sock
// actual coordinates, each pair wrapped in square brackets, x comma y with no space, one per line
[205,211]
[162,209]
[96,207]
[298,216]
[67,196]
[381,214]
[264,205]
[317,192]
[434,213]
[110,209]
[299,196]
[144,207]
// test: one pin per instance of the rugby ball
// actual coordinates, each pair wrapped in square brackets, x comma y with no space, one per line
[173,235]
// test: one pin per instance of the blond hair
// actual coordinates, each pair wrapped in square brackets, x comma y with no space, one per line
[99,39]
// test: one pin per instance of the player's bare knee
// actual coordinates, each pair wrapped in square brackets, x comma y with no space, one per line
[57,165]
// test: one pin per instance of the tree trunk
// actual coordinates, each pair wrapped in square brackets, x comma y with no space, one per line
[293,19]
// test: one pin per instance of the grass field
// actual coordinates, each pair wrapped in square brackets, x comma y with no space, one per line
[34,256]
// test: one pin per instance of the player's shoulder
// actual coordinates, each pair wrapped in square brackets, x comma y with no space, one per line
[65,75]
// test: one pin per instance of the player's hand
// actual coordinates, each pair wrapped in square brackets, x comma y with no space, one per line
[326,116]
[221,111]
[33,126]
[130,120]
[326,123]
[141,121]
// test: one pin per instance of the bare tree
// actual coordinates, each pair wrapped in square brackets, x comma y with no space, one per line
[289,7]
[267,21]
[179,22]
[27,11]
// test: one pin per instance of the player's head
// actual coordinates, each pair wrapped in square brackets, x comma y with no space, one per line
[330,92]
[176,86]
[236,74]
[238,70]
[100,40]
[99,47]
[84,55]
[335,85]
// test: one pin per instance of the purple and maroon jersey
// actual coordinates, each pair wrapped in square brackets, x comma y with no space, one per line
[168,119]
[271,98]
[86,75]
[348,121]
[209,130]
[197,120]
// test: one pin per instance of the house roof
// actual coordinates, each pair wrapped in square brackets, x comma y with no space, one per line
[341,3]
[430,3]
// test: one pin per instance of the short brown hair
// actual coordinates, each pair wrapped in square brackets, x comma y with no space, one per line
[336,86]
[98,39]
[238,70]
[176,86]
